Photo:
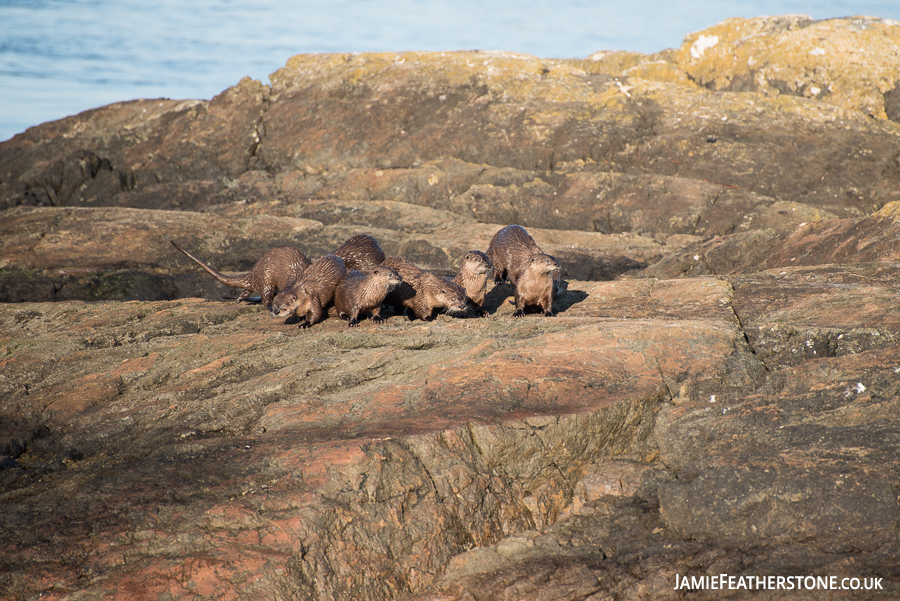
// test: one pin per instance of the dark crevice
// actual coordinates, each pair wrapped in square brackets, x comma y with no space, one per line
[744,332]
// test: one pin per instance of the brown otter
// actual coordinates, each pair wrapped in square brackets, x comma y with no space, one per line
[537,285]
[363,292]
[278,269]
[517,258]
[406,269]
[422,292]
[360,252]
[310,296]
[404,291]
[472,277]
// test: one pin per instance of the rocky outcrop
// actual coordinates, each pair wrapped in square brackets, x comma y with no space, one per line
[851,63]
[717,395]
[497,136]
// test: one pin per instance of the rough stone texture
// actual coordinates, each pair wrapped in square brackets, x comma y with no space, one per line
[717,395]
[871,239]
[852,62]
[97,253]
[501,137]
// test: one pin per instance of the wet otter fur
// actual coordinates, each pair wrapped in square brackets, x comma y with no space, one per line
[537,285]
[312,293]
[472,277]
[364,292]
[423,293]
[517,258]
[278,269]
[360,253]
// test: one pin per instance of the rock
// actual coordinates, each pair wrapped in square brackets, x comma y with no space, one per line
[668,130]
[496,136]
[717,395]
[52,253]
[232,434]
[847,62]
[864,240]
[852,63]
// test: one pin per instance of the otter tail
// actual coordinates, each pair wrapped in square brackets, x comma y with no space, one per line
[233,281]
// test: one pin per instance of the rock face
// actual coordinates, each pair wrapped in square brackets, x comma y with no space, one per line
[717,395]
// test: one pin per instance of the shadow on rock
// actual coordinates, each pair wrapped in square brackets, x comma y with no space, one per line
[496,296]
[566,299]
[495,300]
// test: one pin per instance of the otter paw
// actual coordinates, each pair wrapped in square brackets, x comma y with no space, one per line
[353,324]
[305,325]
[519,313]
[378,319]
[549,313]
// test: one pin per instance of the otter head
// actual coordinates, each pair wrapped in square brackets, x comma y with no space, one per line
[478,262]
[389,275]
[452,297]
[545,263]
[286,302]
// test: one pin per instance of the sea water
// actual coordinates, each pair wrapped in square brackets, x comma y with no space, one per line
[60,57]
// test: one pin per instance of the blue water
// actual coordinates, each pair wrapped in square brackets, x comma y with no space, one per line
[60,57]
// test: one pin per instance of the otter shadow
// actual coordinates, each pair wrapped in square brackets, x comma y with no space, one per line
[567,298]
[292,320]
[500,293]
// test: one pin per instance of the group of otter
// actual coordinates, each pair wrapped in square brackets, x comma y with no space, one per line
[358,280]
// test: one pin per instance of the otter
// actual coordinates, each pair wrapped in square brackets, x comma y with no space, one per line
[278,269]
[517,258]
[423,293]
[363,292]
[405,268]
[537,285]
[360,253]
[310,296]
[472,277]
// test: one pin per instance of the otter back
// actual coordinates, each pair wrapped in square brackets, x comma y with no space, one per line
[406,269]
[423,293]
[517,258]
[360,252]
[312,293]
[278,269]
[510,252]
